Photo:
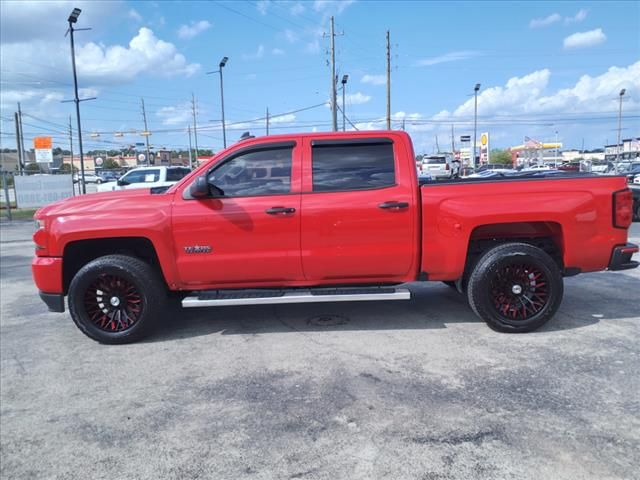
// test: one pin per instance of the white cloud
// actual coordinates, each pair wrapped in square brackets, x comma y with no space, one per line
[277,51]
[447,57]
[337,6]
[578,17]
[528,95]
[556,17]
[146,53]
[357,98]
[374,79]
[585,39]
[262,6]
[545,21]
[176,115]
[193,29]
[133,14]
[291,36]
[289,117]
[297,9]
[259,53]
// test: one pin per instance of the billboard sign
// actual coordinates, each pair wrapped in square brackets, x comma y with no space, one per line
[38,190]
[43,149]
[484,148]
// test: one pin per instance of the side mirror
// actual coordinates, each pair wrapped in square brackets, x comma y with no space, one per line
[200,188]
[122,183]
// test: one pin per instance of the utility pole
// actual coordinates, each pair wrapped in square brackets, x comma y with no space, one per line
[388,82]
[619,146]
[403,120]
[195,123]
[267,121]
[190,153]
[437,145]
[475,122]
[146,131]
[22,152]
[453,142]
[18,146]
[334,104]
[71,150]
[555,163]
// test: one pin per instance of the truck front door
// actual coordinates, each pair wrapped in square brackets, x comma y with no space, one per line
[250,236]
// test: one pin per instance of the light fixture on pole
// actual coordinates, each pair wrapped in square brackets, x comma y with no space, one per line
[73,18]
[475,121]
[618,146]
[344,87]
[221,65]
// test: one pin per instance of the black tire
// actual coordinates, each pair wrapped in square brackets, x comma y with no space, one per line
[140,293]
[98,181]
[515,288]
[638,212]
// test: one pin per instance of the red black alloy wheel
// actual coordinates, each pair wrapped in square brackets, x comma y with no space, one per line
[519,291]
[113,303]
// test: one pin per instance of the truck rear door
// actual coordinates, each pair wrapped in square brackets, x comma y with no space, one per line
[359,210]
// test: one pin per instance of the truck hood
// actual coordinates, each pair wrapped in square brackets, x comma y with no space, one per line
[120,202]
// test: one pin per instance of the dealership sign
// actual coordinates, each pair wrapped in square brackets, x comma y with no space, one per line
[484,147]
[38,190]
[43,149]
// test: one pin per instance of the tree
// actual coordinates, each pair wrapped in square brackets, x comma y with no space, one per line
[32,168]
[66,168]
[110,164]
[501,157]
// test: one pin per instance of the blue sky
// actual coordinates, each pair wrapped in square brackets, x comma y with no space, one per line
[544,67]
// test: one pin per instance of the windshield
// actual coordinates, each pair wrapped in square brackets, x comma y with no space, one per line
[435,160]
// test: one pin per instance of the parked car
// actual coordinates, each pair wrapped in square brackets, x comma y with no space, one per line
[146,177]
[88,178]
[570,167]
[491,166]
[441,165]
[108,176]
[326,217]
[635,191]
[632,171]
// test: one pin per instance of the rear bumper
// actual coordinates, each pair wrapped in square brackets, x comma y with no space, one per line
[621,257]
[53,301]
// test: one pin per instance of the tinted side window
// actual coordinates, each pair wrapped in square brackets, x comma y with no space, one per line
[266,172]
[352,167]
[142,176]
[175,174]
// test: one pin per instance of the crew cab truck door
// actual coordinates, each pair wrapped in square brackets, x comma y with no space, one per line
[250,236]
[359,210]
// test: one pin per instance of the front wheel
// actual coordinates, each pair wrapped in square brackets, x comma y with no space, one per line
[117,299]
[515,288]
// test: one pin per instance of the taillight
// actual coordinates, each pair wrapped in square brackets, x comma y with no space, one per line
[622,208]
[447,167]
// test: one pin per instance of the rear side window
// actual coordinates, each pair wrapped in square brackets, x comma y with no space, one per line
[436,160]
[175,174]
[353,167]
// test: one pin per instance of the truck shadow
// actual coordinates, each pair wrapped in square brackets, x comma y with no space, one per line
[433,306]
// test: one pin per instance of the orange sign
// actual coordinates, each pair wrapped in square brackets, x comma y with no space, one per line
[42,143]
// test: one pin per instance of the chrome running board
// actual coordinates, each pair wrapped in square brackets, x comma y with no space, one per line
[220,298]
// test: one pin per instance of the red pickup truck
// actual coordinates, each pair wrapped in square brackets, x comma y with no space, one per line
[323,218]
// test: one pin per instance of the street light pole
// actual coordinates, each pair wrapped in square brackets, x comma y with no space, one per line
[475,121]
[344,115]
[618,148]
[556,159]
[73,18]
[221,65]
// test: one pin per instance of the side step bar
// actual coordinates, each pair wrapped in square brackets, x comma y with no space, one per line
[219,298]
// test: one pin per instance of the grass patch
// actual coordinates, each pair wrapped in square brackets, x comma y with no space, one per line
[20,213]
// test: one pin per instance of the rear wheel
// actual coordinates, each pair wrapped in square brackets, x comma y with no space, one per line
[515,288]
[116,299]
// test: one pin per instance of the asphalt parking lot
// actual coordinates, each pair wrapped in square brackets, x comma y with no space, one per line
[419,389]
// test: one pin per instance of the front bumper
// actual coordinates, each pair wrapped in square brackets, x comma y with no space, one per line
[54,301]
[621,257]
